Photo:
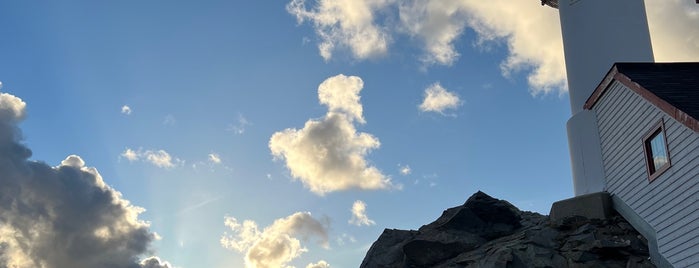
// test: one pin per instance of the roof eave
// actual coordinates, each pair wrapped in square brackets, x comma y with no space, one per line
[614,75]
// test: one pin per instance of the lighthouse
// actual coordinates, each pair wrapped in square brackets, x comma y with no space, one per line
[596,34]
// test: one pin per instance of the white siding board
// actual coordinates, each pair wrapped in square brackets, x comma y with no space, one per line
[660,210]
[677,251]
[669,203]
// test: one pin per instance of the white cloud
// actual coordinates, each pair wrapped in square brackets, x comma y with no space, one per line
[359,216]
[130,154]
[320,264]
[345,24]
[158,158]
[276,245]
[126,110]
[438,99]
[214,158]
[64,216]
[328,154]
[341,95]
[437,24]
[404,170]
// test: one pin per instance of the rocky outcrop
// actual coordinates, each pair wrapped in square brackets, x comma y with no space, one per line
[487,232]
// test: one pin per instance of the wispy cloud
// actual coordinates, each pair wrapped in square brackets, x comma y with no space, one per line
[68,202]
[328,154]
[195,206]
[437,99]
[277,244]
[240,126]
[126,110]
[342,239]
[359,216]
[158,158]
[169,120]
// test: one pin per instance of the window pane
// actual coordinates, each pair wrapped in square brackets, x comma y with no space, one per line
[658,151]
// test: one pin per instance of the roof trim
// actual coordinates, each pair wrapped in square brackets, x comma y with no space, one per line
[614,75]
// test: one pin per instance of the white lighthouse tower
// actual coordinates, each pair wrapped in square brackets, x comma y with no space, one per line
[596,34]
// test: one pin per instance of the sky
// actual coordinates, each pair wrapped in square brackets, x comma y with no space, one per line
[275,133]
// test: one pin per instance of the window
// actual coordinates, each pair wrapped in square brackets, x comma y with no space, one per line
[655,148]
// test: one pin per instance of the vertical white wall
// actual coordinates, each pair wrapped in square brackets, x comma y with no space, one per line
[596,34]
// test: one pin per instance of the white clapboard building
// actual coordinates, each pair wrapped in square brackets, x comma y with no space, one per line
[634,130]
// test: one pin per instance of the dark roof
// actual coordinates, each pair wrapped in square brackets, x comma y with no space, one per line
[676,83]
[672,87]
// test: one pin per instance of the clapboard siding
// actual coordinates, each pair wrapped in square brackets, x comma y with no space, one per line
[669,203]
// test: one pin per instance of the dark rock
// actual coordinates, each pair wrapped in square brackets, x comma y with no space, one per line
[487,232]
[387,251]
[423,253]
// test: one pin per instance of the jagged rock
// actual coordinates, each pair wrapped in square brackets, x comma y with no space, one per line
[487,232]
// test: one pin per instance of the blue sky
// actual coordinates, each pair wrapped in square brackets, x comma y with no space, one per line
[176,105]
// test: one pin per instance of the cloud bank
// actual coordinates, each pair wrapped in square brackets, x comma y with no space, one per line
[63,216]
[359,216]
[531,33]
[437,99]
[275,245]
[329,154]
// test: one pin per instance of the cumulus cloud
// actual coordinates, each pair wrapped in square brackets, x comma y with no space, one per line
[214,158]
[277,244]
[345,24]
[329,154]
[359,216]
[63,216]
[126,110]
[158,158]
[438,99]
[320,264]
